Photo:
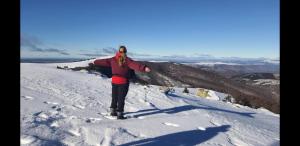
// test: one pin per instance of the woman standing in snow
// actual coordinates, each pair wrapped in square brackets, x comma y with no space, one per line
[120,65]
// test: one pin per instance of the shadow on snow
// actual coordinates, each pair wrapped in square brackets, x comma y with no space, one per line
[184,138]
[187,108]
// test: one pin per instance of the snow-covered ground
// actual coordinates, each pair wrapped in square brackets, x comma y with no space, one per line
[64,107]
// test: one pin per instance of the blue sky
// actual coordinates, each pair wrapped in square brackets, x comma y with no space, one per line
[221,28]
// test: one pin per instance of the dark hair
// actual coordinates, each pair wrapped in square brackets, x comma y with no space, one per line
[123,48]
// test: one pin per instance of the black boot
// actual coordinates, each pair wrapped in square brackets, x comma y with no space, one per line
[113,112]
[120,115]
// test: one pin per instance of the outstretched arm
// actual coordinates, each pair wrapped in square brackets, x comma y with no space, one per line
[137,66]
[103,62]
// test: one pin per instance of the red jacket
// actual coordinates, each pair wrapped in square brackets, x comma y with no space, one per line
[120,74]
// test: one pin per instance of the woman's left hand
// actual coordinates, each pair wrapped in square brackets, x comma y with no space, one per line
[147,69]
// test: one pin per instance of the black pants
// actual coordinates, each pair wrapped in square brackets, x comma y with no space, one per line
[119,92]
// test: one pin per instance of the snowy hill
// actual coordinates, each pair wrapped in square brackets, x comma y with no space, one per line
[64,107]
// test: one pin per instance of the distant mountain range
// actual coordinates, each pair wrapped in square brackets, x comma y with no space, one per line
[203,59]
[196,58]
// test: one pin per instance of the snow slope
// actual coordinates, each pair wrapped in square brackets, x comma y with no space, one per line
[64,107]
[78,64]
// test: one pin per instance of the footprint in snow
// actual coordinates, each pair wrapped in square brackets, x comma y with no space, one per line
[28,97]
[57,108]
[49,118]
[171,124]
